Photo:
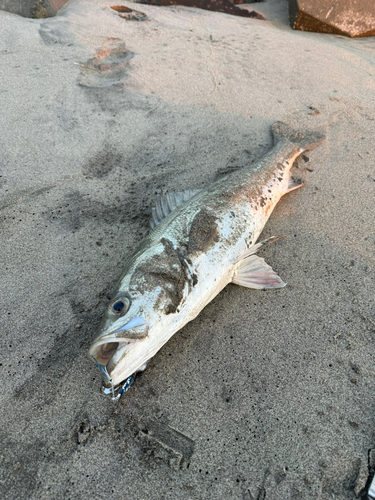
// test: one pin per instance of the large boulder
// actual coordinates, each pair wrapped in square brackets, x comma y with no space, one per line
[353,18]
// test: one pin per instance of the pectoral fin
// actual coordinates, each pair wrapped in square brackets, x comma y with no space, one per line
[254,272]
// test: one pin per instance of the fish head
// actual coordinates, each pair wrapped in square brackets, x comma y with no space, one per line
[138,319]
[122,345]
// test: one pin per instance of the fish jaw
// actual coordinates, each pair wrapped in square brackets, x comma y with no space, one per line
[104,350]
[129,360]
[131,357]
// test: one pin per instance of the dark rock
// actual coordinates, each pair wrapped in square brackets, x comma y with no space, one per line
[21,7]
[32,8]
[246,1]
[353,18]
[216,5]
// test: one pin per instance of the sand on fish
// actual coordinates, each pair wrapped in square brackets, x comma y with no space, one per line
[267,394]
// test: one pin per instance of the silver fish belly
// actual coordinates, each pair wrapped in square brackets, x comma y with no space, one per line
[200,242]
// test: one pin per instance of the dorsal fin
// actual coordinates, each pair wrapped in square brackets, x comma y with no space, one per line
[166,203]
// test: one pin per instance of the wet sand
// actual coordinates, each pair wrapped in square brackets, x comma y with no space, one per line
[267,394]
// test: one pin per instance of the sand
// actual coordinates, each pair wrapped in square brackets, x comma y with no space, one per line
[267,394]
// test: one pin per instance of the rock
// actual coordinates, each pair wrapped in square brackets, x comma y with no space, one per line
[216,5]
[353,18]
[129,14]
[246,1]
[32,8]
[20,7]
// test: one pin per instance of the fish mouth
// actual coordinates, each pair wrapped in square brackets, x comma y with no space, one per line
[108,351]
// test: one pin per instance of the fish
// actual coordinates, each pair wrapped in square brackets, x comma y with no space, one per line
[201,240]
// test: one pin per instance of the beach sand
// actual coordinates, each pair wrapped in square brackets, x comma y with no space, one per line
[266,394]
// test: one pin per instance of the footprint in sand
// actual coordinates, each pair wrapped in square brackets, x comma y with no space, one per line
[107,67]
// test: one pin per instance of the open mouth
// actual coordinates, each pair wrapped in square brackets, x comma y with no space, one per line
[106,354]
[109,351]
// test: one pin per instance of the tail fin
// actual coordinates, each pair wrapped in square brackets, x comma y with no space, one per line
[307,140]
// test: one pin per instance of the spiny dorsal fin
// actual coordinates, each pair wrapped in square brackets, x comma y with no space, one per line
[166,203]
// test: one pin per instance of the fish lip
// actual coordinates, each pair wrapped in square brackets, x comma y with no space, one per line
[112,364]
[128,333]
[108,340]
[131,325]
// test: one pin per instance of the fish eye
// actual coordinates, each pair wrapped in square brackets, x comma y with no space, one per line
[119,306]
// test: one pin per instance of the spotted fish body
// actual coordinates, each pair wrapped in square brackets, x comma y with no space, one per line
[197,247]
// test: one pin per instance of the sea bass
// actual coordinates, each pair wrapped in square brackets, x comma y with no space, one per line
[201,240]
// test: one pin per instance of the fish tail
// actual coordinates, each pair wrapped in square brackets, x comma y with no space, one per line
[308,140]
